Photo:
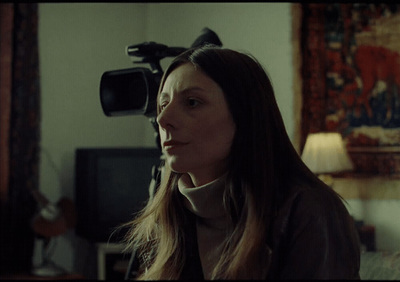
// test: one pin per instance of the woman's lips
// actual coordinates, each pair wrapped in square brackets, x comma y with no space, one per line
[173,144]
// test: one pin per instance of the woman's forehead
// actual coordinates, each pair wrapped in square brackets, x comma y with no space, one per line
[187,78]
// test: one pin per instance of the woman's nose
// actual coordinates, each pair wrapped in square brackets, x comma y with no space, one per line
[166,118]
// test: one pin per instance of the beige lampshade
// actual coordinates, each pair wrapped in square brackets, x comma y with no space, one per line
[326,153]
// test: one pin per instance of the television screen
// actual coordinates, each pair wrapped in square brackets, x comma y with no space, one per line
[111,185]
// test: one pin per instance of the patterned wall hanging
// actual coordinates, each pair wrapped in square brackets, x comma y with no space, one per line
[351,80]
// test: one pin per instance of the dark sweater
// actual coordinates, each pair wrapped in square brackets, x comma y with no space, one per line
[312,235]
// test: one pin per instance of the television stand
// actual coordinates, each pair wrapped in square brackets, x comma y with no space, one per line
[112,263]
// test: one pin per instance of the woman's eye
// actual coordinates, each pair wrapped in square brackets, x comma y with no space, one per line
[163,105]
[193,102]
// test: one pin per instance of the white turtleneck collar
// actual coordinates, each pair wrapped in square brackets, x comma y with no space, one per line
[212,223]
[205,201]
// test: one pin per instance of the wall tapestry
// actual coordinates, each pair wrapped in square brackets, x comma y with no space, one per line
[351,80]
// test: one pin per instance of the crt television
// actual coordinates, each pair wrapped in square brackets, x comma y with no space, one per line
[111,185]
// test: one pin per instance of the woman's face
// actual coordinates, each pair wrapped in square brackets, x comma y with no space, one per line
[196,126]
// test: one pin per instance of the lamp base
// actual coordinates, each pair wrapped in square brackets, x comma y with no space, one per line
[327,179]
[48,269]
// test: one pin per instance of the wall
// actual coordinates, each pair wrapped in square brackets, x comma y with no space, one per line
[376,201]
[77,43]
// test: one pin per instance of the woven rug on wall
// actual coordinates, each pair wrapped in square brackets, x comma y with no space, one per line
[351,80]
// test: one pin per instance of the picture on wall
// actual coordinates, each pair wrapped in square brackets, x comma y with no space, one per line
[351,80]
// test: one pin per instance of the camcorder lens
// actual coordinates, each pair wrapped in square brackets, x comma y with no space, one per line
[128,92]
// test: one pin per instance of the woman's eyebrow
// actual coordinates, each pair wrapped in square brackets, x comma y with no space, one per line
[191,90]
[164,95]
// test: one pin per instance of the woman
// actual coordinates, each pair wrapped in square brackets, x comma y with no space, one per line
[235,200]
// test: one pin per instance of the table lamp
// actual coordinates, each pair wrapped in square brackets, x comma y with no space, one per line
[324,153]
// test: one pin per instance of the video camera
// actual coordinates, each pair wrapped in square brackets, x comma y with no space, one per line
[133,91]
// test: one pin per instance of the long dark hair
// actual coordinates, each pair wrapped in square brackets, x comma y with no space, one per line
[263,165]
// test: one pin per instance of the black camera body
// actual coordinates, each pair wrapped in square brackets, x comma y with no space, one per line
[133,91]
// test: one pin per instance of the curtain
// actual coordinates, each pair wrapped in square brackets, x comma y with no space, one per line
[19,133]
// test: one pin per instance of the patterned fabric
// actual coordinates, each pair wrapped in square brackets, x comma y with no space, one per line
[351,80]
[17,209]
[341,44]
